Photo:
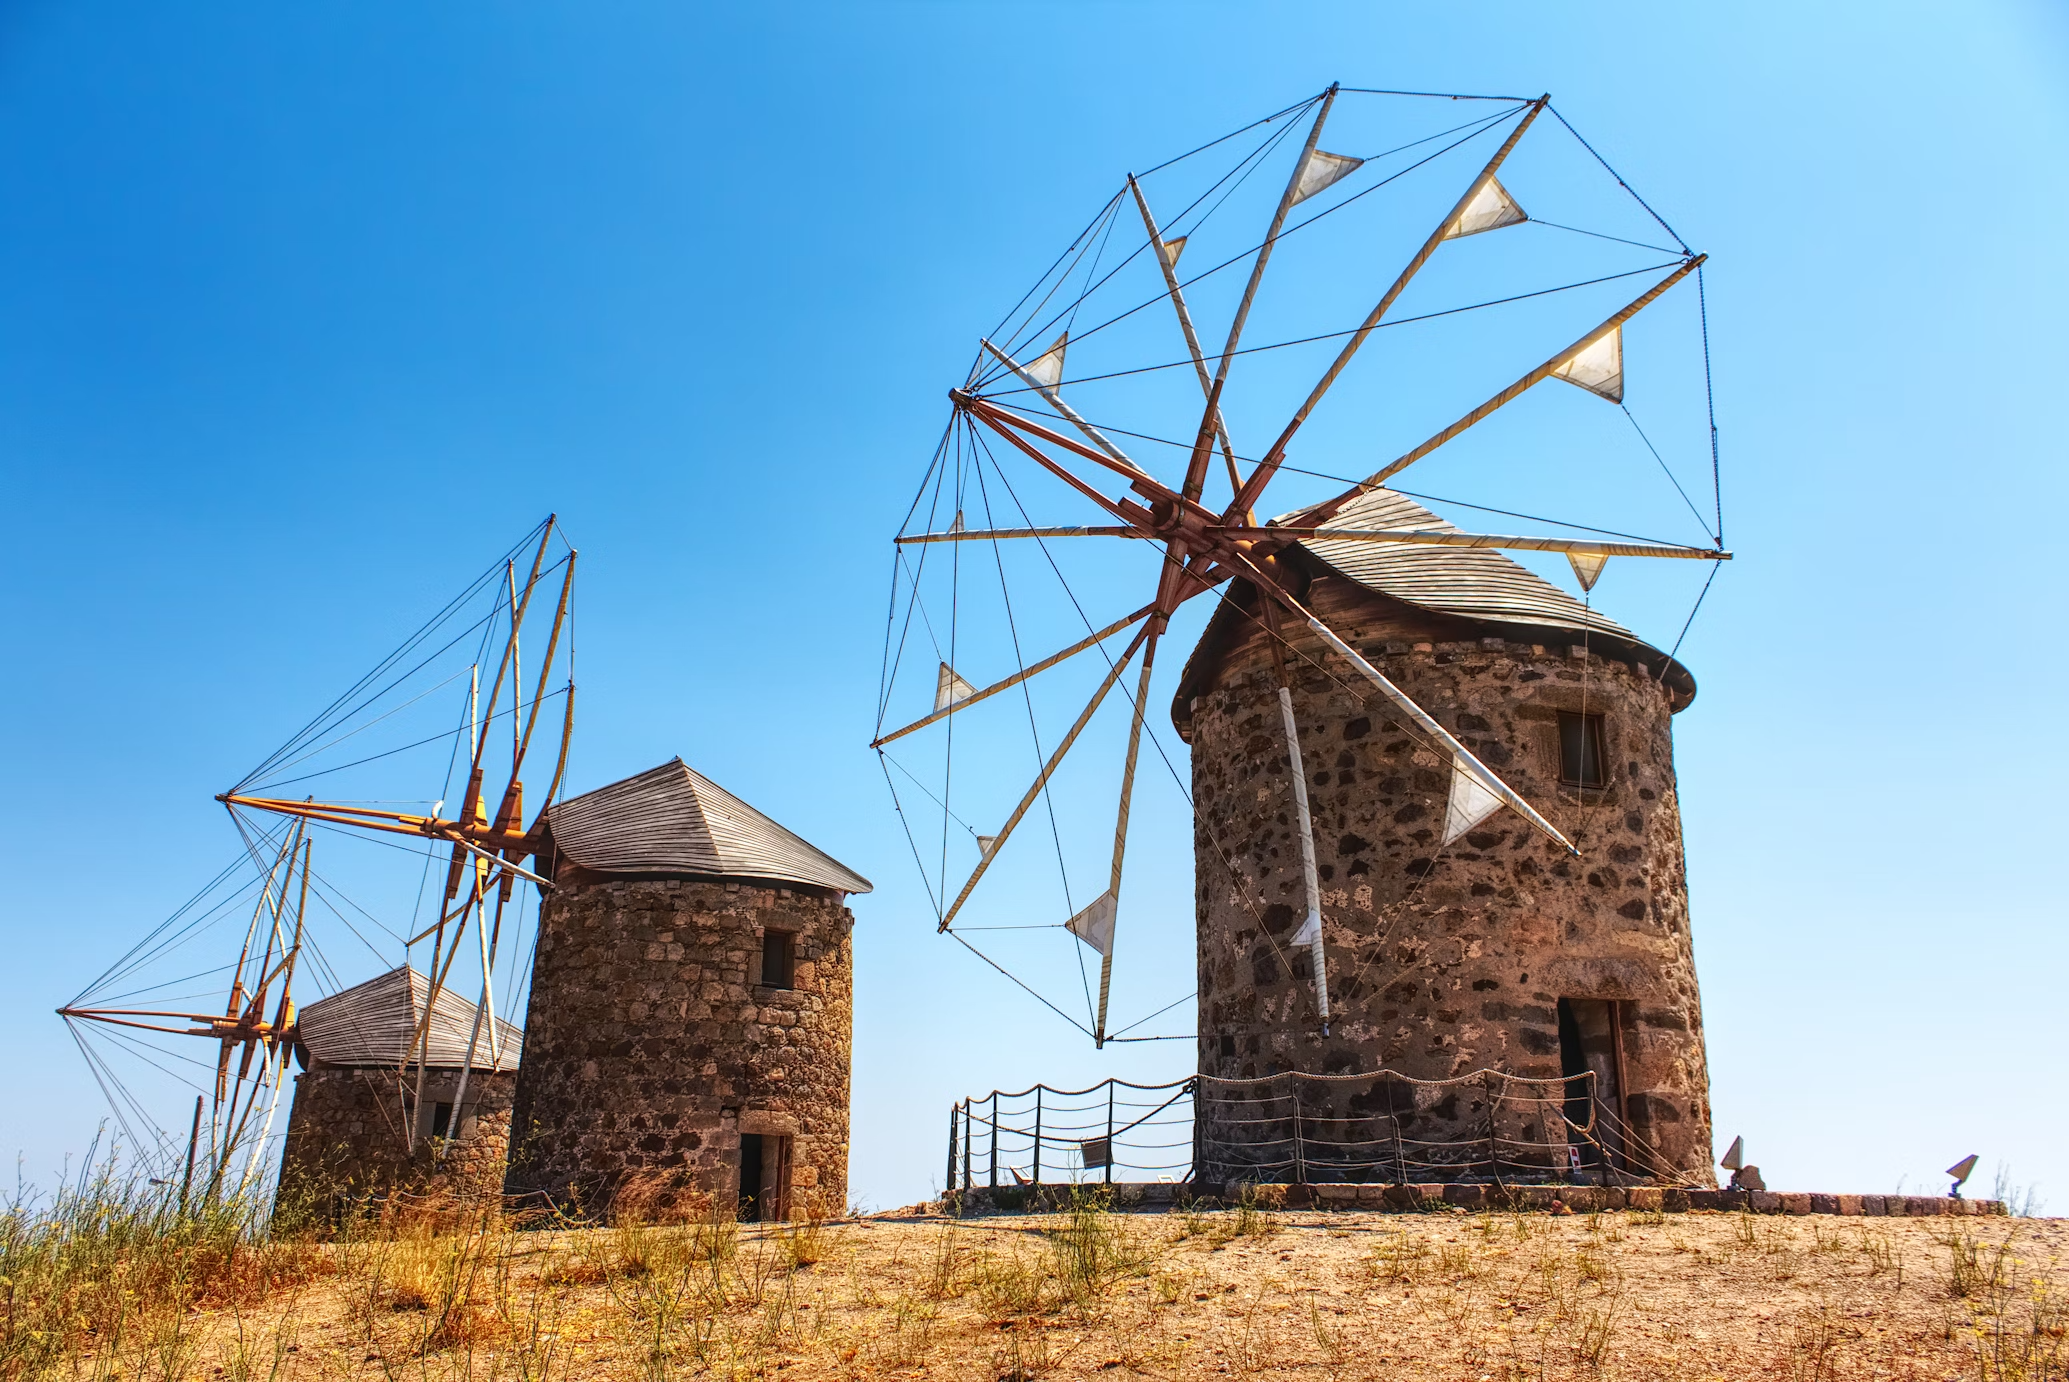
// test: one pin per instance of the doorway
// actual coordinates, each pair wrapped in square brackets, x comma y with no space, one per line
[1591,1044]
[764,1177]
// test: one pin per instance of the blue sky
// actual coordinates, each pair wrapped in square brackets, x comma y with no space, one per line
[304,317]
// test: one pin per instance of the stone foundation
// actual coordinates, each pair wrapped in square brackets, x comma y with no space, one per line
[652,1046]
[1447,960]
[347,1138]
[1444,1197]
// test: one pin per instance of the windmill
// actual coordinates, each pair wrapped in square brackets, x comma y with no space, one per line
[1020,402]
[453,713]
[487,837]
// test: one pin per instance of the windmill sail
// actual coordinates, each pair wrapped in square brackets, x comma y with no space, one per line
[1597,367]
[1048,369]
[1095,925]
[1491,208]
[950,689]
[1321,172]
[1171,249]
[1587,567]
[1470,803]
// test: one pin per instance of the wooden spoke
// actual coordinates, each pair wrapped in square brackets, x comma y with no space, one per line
[1426,537]
[1106,961]
[1321,513]
[1192,343]
[1042,778]
[1253,489]
[1044,665]
[1264,251]
[1002,534]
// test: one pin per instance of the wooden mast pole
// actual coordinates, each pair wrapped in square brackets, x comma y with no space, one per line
[1185,324]
[1106,961]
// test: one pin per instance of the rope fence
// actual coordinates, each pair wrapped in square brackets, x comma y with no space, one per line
[1488,1127]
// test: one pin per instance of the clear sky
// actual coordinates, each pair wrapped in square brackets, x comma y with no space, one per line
[306,315]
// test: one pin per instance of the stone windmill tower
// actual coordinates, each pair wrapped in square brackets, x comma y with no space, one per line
[359,1129]
[1495,949]
[691,1005]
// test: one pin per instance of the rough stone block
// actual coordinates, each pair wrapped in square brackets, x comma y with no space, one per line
[1674,1201]
[1795,1202]
[1372,1197]
[1766,1202]
[1337,1196]
[1537,1197]
[1846,1204]
[1874,1206]
[1581,1199]
[1645,1199]
[1466,1196]
[1400,1197]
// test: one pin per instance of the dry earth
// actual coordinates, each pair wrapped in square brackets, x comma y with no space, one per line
[1234,1293]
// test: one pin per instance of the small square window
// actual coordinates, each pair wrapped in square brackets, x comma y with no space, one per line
[1580,750]
[1228,1043]
[779,959]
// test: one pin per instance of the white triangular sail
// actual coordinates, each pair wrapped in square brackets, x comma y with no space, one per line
[1598,368]
[1095,925]
[1310,932]
[957,526]
[1171,249]
[1048,370]
[985,842]
[1471,802]
[950,689]
[1587,567]
[1490,209]
[1735,1159]
[1322,171]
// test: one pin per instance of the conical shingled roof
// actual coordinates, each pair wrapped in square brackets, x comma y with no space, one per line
[1476,582]
[1473,583]
[372,1024]
[673,819]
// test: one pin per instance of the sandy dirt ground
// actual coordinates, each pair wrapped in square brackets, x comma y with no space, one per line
[1229,1293]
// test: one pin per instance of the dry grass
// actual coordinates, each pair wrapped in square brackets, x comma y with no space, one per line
[1230,1293]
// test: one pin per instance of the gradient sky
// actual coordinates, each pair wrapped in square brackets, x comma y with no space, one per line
[306,314]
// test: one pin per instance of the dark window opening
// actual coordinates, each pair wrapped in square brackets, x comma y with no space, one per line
[779,959]
[1580,750]
[1228,1043]
[441,1119]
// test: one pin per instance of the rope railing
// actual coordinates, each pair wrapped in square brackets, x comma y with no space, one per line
[1487,1126]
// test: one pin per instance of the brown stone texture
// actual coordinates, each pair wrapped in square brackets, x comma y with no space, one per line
[1443,961]
[652,1044]
[348,1137]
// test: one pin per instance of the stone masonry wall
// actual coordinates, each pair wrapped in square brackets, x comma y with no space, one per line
[347,1137]
[1445,961]
[652,1046]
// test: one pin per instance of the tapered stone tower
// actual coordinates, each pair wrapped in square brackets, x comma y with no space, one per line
[691,1008]
[1499,951]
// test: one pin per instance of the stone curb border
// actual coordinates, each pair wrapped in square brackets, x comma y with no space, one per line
[1434,1197]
